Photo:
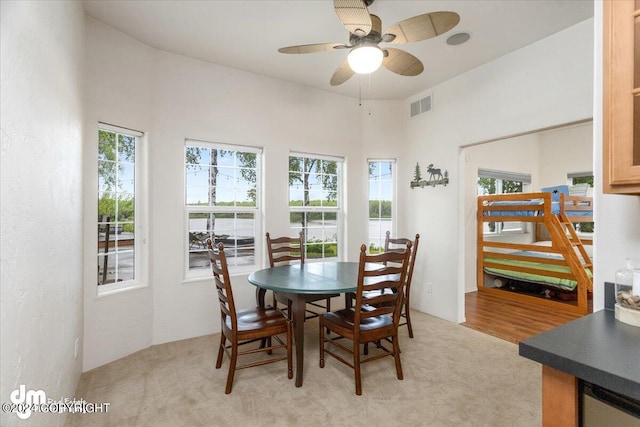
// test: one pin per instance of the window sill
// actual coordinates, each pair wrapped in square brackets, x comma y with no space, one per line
[207,278]
[109,292]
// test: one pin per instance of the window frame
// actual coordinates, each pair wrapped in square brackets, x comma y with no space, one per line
[200,273]
[338,209]
[382,237]
[571,180]
[500,177]
[140,251]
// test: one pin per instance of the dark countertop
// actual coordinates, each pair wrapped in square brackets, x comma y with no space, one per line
[596,348]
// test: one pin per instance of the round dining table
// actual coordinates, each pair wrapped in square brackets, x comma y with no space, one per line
[301,283]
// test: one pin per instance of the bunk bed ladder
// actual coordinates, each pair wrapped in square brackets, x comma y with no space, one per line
[566,236]
[575,242]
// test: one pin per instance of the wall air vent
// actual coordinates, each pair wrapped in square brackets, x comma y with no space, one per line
[421,106]
[415,108]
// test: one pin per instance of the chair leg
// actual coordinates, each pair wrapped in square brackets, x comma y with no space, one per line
[321,321]
[289,351]
[232,367]
[408,316]
[220,350]
[366,348]
[328,310]
[356,366]
[396,356]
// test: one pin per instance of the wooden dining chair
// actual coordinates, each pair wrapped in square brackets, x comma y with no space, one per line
[400,243]
[371,319]
[391,244]
[246,326]
[289,250]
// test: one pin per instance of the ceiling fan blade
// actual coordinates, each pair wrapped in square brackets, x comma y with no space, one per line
[423,27]
[354,16]
[342,74]
[312,48]
[401,62]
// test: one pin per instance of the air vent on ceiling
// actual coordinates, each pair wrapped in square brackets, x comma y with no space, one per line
[421,106]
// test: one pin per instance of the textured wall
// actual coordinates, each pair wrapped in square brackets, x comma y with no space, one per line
[547,83]
[41,200]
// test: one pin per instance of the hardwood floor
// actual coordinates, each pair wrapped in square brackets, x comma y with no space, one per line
[510,320]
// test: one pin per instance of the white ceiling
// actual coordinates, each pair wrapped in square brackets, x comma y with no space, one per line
[247,34]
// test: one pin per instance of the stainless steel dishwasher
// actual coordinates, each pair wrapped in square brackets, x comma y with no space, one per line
[605,408]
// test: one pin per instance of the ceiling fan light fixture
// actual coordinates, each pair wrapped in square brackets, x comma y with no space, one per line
[365,59]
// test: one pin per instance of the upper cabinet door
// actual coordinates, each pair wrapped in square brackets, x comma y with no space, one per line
[621,86]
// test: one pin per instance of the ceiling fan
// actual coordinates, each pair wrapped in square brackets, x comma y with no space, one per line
[365,34]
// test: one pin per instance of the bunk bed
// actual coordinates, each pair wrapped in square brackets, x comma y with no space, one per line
[556,262]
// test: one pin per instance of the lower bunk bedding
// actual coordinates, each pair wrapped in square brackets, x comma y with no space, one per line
[543,274]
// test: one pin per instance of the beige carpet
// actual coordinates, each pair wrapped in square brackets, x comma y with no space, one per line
[453,376]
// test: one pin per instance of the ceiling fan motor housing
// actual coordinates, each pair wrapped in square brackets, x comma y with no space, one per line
[373,38]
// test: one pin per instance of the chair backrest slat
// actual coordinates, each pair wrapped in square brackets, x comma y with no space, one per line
[385,274]
[378,286]
[391,244]
[285,250]
[380,311]
[380,299]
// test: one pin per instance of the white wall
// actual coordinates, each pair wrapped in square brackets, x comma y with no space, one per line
[544,84]
[119,91]
[194,99]
[383,138]
[41,200]
[172,98]
[565,150]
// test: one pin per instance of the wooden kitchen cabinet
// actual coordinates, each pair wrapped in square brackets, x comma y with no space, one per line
[621,96]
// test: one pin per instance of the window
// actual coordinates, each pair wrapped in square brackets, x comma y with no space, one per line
[381,185]
[582,178]
[500,182]
[314,203]
[222,202]
[119,207]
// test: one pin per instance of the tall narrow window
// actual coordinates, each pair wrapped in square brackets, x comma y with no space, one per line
[381,189]
[118,207]
[501,182]
[314,203]
[222,203]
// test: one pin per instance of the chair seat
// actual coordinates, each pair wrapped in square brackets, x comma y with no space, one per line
[252,319]
[344,319]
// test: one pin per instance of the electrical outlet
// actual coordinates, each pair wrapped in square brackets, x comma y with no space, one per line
[429,287]
[76,347]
